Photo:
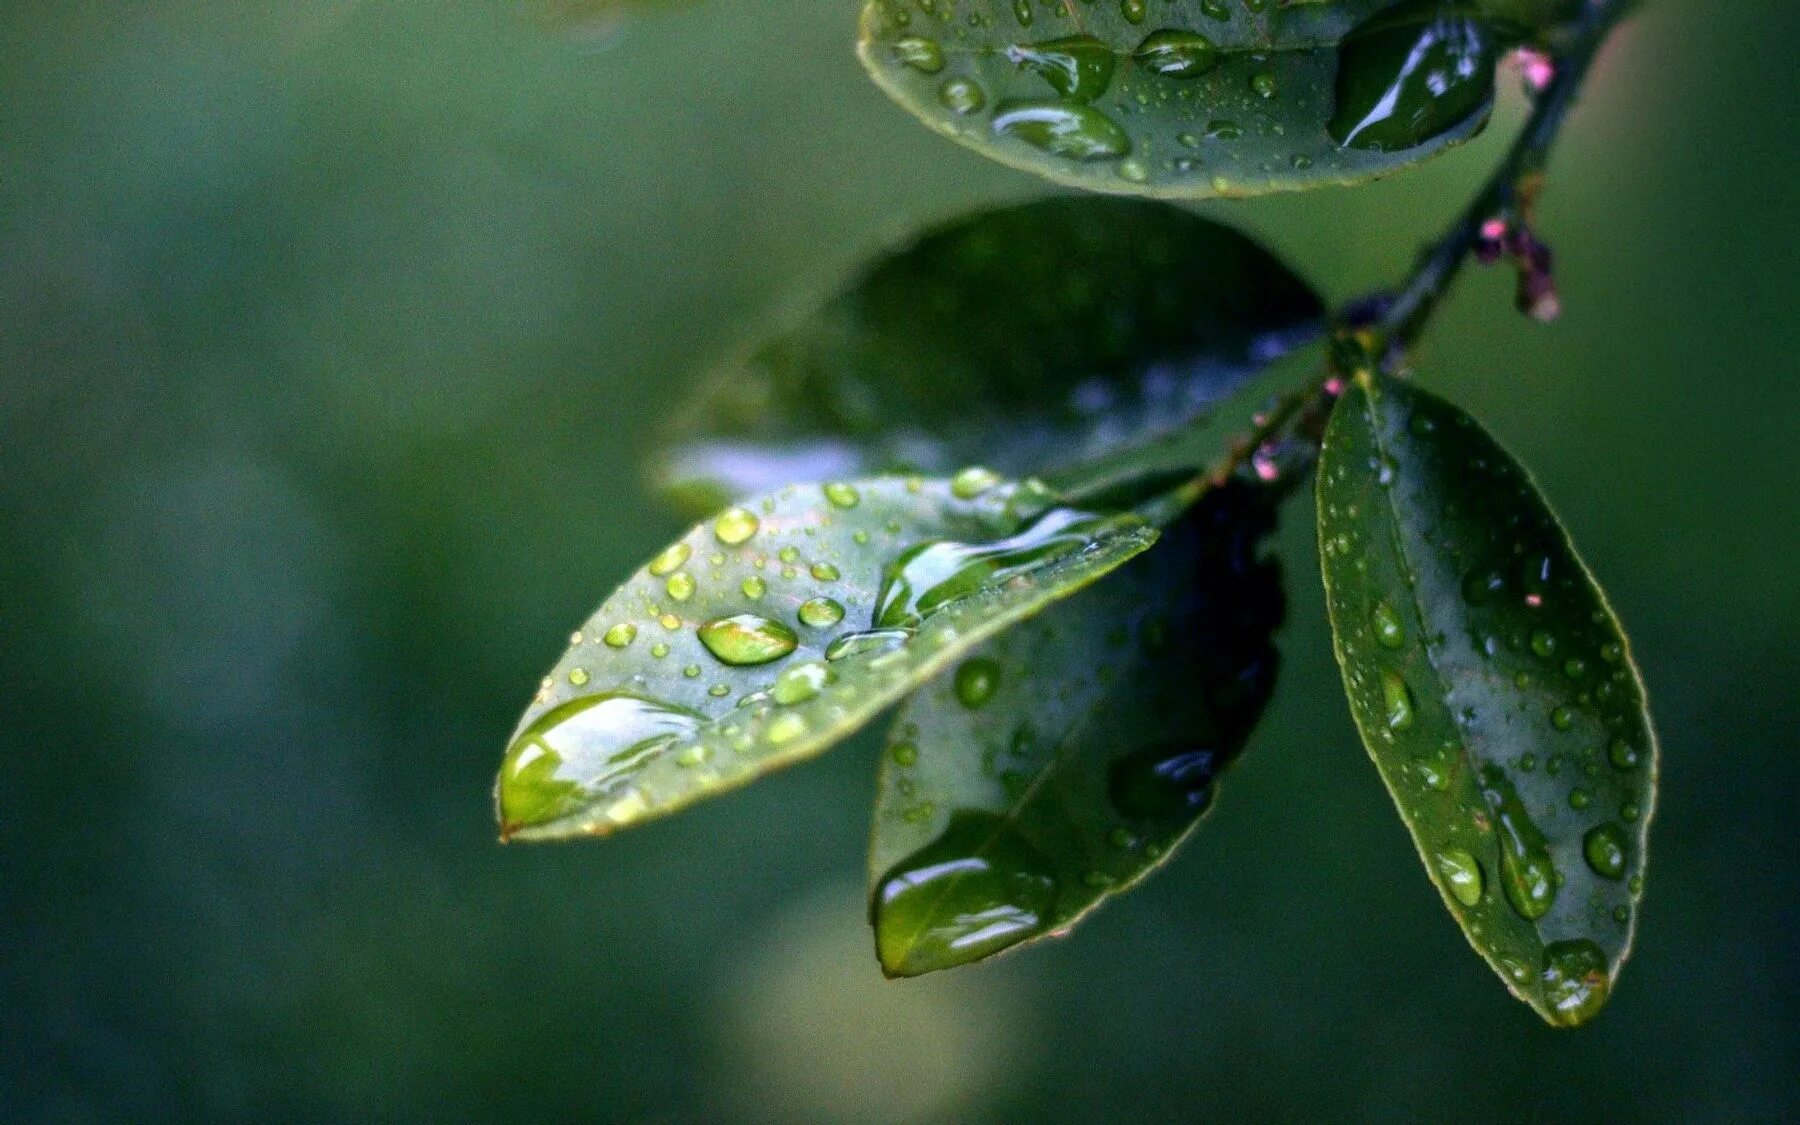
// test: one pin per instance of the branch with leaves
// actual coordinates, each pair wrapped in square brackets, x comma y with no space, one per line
[1016,479]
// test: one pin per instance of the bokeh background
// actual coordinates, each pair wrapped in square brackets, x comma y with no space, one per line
[332,337]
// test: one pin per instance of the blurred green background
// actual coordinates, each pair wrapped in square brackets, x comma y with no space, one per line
[332,336]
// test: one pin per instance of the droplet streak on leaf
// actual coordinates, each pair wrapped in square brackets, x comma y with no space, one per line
[1432,535]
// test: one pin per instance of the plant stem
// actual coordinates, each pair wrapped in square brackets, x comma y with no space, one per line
[1509,192]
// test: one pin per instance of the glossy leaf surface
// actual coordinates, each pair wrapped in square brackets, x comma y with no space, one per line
[778,628]
[1026,337]
[1065,759]
[1193,97]
[1494,689]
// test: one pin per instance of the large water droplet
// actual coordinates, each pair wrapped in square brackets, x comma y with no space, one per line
[1410,74]
[800,683]
[1528,873]
[873,641]
[747,638]
[1575,981]
[578,752]
[820,613]
[1067,129]
[670,559]
[931,575]
[972,892]
[1079,67]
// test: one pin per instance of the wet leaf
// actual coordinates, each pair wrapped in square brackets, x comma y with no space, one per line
[776,629]
[1028,337]
[1190,99]
[1494,689]
[1065,759]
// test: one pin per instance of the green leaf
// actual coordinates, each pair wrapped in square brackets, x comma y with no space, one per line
[1190,99]
[1027,338]
[1067,758]
[767,634]
[1494,689]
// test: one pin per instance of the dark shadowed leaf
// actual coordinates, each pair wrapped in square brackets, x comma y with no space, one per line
[778,628]
[1193,98]
[1025,338]
[1065,759]
[1494,689]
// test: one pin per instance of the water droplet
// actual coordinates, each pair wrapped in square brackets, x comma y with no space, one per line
[578,676]
[928,576]
[801,683]
[1528,874]
[1163,782]
[1388,630]
[825,572]
[961,96]
[976,681]
[754,587]
[670,559]
[746,638]
[1579,799]
[973,481]
[577,753]
[1177,54]
[1562,718]
[1079,67]
[785,728]
[873,641]
[735,525]
[1575,981]
[1604,847]
[972,892]
[1622,754]
[1462,873]
[620,635]
[920,53]
[1408,75]
[680,585]
[842,495]
[1543,643]
[1396,701]
[820,613]
[1072,130]
[905,754]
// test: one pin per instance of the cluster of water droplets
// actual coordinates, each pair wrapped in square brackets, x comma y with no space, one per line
[1172,89]
[787,614]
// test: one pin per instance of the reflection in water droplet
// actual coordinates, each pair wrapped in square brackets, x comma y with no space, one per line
[1388,630]
[1177,54]
[873,641]
[820,613]
[747,638]
[1079,67]
[578,752]
[974,891]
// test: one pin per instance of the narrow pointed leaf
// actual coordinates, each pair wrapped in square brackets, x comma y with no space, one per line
[1027,338]
[1494,689]
[1190,99]
[1066,759]
[769,633]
